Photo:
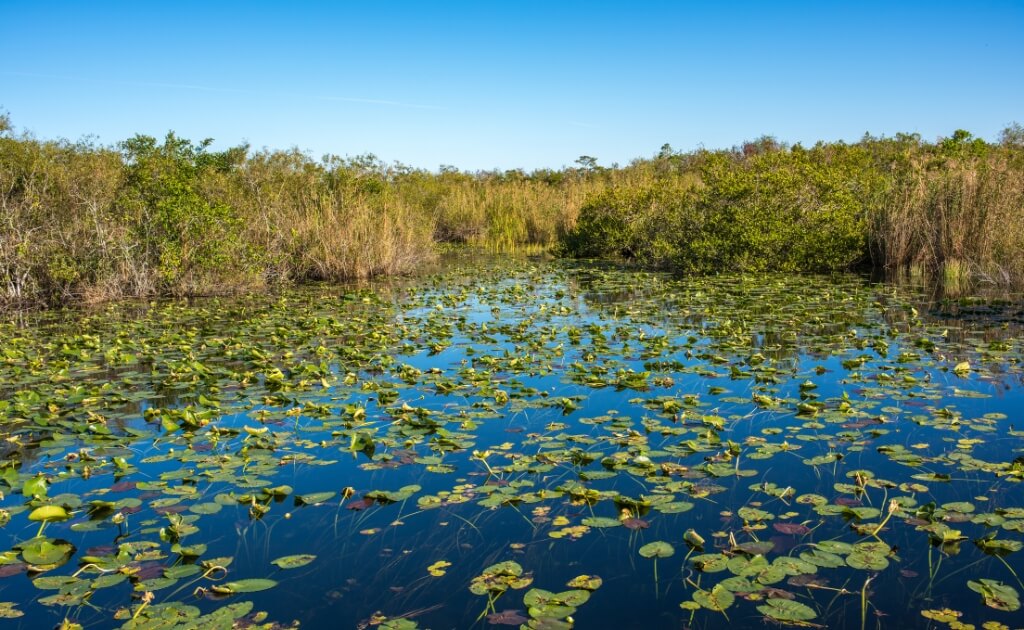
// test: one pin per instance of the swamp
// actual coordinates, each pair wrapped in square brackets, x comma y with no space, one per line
[519,442]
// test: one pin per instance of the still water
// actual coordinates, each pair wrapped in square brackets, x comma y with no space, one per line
[534,444]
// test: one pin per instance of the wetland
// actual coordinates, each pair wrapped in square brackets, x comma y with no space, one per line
[519,443]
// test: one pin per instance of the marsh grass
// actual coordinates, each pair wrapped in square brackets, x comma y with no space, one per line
[953,209]
[81,222]
[963,218]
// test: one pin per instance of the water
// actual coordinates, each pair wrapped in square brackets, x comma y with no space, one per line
[559,416]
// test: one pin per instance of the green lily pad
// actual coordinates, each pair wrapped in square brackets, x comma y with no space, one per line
[48,513]
[251,585]
[46,553]
[293,562]
[718,598]
[601,521]
[314,498]
[996,594]
[8,610]
[586,582]
[786,611]
[658,549]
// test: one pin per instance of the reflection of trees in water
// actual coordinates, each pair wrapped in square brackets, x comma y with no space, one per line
[785,317]
[162,336]
[23,452]
[976,303]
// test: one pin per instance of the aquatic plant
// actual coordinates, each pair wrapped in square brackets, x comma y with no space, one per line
[828,451]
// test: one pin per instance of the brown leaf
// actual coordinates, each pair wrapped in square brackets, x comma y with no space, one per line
[359,504]
[506,618]
[793,529]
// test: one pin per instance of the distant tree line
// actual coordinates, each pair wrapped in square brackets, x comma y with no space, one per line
[81,222]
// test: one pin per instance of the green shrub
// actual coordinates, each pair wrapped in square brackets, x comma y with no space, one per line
[80,222]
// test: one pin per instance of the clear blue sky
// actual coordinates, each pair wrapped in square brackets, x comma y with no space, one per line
[492,84]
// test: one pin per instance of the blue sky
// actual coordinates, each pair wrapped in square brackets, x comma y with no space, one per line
[490,84]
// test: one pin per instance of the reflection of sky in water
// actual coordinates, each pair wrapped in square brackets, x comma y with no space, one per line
[375,559]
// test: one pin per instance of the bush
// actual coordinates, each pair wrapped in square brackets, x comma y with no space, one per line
[886,203]
[80,222]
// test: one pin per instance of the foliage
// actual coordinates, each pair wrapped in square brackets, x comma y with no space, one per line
[86,223]
[570,419]
[889,203]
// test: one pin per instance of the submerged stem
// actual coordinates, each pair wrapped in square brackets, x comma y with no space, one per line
[864,602]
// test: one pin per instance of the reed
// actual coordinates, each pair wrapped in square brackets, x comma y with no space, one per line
[86,223]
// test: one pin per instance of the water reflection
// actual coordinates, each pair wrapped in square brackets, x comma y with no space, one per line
[558,416]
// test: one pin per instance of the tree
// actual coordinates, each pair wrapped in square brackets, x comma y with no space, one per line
[587,163]
[1012,136]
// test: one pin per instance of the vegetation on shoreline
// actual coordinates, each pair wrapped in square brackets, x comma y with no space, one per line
[955,206]
[86,223]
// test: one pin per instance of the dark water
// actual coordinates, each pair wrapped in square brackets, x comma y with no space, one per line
[778,417]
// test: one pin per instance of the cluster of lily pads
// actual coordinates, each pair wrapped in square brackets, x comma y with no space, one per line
[789,448]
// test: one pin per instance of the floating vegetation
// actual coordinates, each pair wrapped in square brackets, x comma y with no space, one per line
[806,450]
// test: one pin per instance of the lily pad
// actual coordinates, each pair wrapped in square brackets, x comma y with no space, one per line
[658,549]
[293,562]
[718,598]
[251,585]
[48,513]
[996,594]
[787,611]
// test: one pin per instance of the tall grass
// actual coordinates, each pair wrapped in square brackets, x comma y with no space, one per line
[324,221]
[966,214]
[81,222]
[955,206]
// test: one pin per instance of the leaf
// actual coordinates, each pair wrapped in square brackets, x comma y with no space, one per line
[635,523]
[587,582]
[181,571]
[293,562]
[792,529]
[658,549]
[314,498]
[823,559]
[786,610]
[438,568]
[598,521]
[755,547]
[710,562]
[251,585]
[996,594]
[945,615]
[575,597]
[997,546]
[44,553]
[675,507]
[507,618]
[537,597]
[108,580]
[48,513]
[500,577]
[509,567]
[8,611]
[867,561]
[53,582]
[717,599]
[34,487]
